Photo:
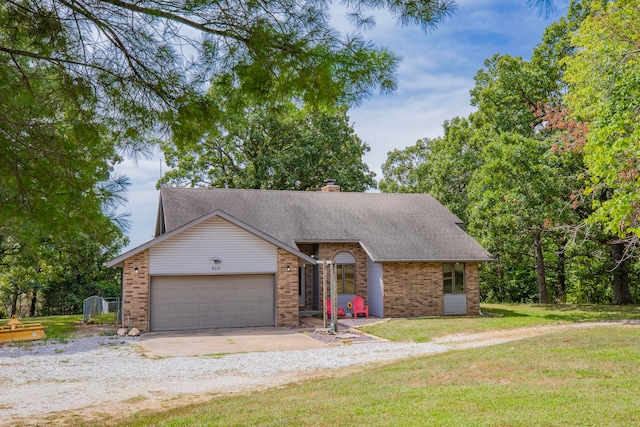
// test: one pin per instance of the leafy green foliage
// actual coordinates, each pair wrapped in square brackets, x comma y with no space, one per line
[506,92]
[269,145]
[604,81]
[441,166]
[46,122]
[86,83]
[53,276]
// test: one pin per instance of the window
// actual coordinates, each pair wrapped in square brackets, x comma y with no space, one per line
[345,273]
[345,278]
[453,278]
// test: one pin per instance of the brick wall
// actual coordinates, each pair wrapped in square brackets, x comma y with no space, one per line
[472,284]
[287,289]
[413,289]
[136,291]
[327,251]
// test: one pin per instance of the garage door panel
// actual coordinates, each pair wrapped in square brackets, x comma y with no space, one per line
[205,308]
[196,302]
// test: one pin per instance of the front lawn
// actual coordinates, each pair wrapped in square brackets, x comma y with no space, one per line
[576,378]
[501,316]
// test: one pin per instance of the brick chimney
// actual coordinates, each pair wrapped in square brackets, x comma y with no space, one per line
[330,186]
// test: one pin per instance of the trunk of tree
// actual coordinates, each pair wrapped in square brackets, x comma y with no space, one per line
[621,291]
[14,302]
[562,279]
[34,300]
[540,273]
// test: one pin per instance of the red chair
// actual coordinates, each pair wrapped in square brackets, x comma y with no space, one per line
[340,311]
[359,307]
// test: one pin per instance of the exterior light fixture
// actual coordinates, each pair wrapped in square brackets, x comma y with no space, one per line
[136,270]
[288,267]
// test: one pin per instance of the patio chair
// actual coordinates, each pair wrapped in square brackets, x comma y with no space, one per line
[359,307]
[340,311]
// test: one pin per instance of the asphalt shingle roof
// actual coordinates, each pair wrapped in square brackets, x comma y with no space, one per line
[390,227]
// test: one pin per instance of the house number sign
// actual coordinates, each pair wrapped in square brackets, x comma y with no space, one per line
[216,264]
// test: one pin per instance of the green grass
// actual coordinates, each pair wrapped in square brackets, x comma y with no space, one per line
[105,318]
[501,316]
[580,378]
[55,327]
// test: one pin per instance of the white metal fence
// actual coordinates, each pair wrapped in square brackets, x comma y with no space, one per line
[97,309]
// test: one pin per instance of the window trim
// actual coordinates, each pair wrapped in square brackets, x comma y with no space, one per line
[455,289]
[345,259]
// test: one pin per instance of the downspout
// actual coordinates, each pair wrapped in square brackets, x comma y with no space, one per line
[122,297]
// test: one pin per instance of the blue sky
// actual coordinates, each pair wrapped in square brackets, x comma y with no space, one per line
[434,80]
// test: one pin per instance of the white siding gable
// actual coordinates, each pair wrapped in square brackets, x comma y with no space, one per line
[375,286]
[191,251]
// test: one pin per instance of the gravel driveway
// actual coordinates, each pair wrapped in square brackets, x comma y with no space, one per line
[98,375]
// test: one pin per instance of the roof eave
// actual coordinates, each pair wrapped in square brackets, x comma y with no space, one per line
[436,260]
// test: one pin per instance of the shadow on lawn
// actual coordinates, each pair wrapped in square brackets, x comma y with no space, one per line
[569,312]
[503,312]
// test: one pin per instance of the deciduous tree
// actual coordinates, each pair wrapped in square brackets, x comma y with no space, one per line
[440,166]
[604,76]
[85,82]
[269,145]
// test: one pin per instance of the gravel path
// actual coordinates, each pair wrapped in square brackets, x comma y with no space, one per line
[100,375]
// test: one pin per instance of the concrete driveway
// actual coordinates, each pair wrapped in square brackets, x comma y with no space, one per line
[225,340]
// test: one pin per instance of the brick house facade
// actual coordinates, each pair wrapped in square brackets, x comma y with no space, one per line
[249,238]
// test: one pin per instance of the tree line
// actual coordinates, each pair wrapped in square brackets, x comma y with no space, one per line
[545,171]
[236,94]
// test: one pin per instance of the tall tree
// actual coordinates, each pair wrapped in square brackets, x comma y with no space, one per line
[84,82]
[516,195]
[54,161]
[270,145]
[506,92]
[603,77]
[440,166]
[604,92]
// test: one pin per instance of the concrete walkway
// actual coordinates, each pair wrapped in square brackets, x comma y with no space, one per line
[224,341]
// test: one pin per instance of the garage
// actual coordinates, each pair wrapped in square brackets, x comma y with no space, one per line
[200,302]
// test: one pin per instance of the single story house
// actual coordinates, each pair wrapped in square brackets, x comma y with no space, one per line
[238,258]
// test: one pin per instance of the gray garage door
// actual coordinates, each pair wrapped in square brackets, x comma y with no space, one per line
[198,302]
